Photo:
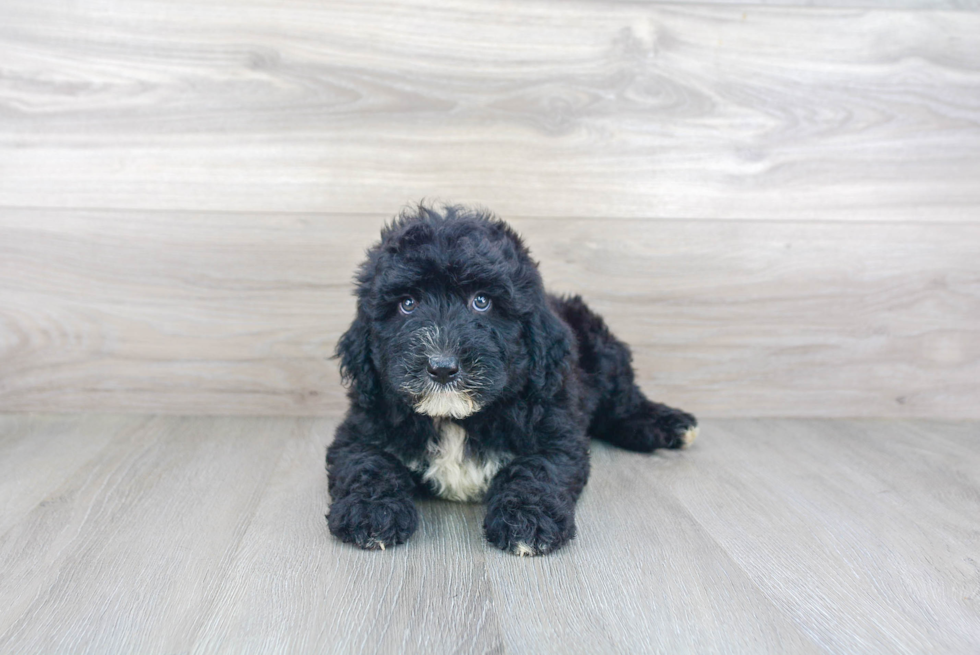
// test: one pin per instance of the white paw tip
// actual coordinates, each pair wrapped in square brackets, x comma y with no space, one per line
[690,436]
[523,550]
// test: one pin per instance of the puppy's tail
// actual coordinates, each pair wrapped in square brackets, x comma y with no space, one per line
[620,413]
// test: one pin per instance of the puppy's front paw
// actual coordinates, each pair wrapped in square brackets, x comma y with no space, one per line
[373,523]
[528,525]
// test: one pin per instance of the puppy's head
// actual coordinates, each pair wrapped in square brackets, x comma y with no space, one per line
[450,313]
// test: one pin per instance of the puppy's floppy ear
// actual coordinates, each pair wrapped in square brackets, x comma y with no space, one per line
[356,368]
[550,349]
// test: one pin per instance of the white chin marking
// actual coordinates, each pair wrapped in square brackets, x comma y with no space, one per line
[688,438]
[446,404]
[523,550]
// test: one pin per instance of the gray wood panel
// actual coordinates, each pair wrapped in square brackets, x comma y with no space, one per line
[643,576]
[947,5]
[437,601]
[126,553]
[238,313]
[548,108]
[878,516]
[207,535]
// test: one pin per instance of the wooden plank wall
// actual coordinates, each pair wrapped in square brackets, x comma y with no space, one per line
[778,206]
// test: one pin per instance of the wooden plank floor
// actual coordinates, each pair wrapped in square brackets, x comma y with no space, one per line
[122,534]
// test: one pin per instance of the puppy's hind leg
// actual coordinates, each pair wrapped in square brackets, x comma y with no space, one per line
[646,427]
[621,414]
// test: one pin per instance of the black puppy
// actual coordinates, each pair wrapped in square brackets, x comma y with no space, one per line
[469,382]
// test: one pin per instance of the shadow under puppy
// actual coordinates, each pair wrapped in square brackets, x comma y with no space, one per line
[469,382]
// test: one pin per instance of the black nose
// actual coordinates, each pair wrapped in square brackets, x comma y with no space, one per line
[442,369]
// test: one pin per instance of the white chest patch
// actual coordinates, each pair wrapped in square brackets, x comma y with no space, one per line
[452,473]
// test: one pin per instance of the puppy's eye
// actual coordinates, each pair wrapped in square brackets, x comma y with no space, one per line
[481,302]
[407,305]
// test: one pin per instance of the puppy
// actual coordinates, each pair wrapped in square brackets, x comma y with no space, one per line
[468,382]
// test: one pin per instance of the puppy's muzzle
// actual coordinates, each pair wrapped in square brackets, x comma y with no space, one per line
[443,369]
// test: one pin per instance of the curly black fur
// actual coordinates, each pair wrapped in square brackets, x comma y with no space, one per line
[534,376]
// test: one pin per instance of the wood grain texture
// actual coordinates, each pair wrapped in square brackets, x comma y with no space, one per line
[207,535]
[185,189]
[125,551]
[543,108]
[948,5]
[238,313]
[823,516]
